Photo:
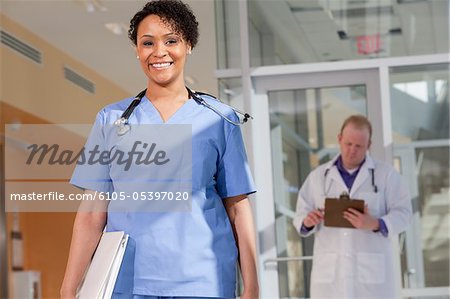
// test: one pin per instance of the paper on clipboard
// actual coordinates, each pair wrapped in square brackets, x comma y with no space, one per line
[335,207]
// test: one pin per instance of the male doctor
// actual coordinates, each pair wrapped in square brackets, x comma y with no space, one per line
[354,262]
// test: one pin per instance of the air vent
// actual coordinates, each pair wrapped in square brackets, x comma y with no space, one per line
[21,47]
[410,1]
[361,12]
[306,9]
[79,80]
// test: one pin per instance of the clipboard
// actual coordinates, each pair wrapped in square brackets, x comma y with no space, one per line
[335,207]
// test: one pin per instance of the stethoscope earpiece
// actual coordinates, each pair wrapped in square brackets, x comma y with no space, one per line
[246,117]
[201,101]
[372,171]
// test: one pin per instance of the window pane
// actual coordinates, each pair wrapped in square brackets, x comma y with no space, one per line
[420,124]
[299,31]
[227,34]
[304,126]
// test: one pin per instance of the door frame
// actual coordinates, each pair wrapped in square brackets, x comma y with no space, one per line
[413,242]
[261,145]
[374,74]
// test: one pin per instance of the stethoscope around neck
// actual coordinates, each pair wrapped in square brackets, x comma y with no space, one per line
[123,126]
[372,172]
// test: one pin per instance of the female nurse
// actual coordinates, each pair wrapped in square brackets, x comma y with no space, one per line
[177,254]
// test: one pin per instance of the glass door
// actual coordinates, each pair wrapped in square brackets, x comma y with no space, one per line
[305,113]
[302,114]
[304,125]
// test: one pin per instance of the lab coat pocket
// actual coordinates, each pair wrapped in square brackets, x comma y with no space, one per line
[324,267]
[370,267]
[373,201]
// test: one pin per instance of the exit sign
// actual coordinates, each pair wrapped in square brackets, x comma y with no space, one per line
[368,44]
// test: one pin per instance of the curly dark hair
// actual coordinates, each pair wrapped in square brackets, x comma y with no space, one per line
[174,13]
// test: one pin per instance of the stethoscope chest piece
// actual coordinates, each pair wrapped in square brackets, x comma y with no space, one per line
[122,126]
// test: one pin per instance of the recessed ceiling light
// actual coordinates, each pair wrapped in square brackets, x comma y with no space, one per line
[92,6]
[116,28]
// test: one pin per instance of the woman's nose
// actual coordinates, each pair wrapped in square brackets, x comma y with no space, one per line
[159,50]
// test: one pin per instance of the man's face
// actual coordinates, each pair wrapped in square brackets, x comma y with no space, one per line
[354,143]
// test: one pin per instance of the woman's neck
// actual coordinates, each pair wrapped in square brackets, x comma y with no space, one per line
[172,92]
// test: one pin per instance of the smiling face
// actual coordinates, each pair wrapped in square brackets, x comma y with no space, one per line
[161,51]
[354,141]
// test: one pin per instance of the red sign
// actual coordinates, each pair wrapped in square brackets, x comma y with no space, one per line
[368,44]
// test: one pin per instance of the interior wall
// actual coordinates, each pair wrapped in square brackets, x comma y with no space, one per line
[3,238]
[33,93]
[46,236]
[42,90]
[46,240]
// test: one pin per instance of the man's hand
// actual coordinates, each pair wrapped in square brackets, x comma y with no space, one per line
[361,220]
[313,218]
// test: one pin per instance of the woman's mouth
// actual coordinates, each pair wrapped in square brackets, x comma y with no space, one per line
[161,65]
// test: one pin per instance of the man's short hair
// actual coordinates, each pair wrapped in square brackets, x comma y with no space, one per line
[359,121]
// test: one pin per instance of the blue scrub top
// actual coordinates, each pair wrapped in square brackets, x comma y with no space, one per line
[182,253]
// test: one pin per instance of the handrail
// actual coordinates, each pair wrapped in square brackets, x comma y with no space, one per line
[287,259]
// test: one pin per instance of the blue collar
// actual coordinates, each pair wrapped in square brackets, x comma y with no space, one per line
[349,178]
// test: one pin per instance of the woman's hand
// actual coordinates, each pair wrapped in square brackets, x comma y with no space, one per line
[67,294]
[252,293]
[240,214]
[87,231]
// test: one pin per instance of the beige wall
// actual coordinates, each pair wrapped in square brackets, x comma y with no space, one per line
[46,236]
[33,93]
[42,89]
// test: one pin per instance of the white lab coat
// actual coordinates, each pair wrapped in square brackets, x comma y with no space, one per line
[355,263]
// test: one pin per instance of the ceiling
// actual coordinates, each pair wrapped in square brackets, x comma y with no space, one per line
[78,28]
[333,30]
[301,31]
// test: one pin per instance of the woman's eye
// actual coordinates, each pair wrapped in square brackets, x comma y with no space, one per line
[171,41]
[147,43]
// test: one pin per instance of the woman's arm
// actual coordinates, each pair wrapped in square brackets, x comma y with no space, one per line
[87,230]
[240,215]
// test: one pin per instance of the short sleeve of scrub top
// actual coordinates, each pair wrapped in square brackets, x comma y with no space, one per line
[91,174]
[233,173]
